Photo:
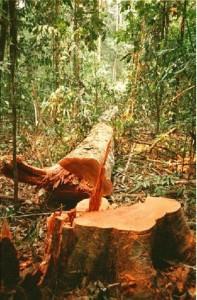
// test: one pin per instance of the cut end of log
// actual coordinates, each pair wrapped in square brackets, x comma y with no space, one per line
[86,169]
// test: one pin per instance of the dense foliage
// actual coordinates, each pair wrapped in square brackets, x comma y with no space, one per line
[162,38]
[75,58]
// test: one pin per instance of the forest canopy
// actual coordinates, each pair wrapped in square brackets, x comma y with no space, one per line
[75,58]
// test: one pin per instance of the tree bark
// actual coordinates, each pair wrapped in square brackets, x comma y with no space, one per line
[125,245]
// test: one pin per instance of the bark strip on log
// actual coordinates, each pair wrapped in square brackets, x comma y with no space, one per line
[124,245]
[74,176]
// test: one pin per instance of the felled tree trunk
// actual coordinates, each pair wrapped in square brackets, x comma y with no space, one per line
[124,245]
[74,176]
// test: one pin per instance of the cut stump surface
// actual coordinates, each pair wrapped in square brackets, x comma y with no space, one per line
[140,217]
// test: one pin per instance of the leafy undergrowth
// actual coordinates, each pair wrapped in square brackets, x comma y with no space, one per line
[139,171]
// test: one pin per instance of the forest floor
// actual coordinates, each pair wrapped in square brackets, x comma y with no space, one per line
[141,169]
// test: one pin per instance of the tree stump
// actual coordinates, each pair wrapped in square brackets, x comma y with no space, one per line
[124,245]
[74,176]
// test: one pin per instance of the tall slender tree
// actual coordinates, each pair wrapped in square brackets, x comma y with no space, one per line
[3,36]
[13,98]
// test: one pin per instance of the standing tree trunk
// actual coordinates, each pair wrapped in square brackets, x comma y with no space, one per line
[76,59]
[13,53]
[182,29]
[56,46]
[3,35]
[100,8]
[114,70]
[76,65]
